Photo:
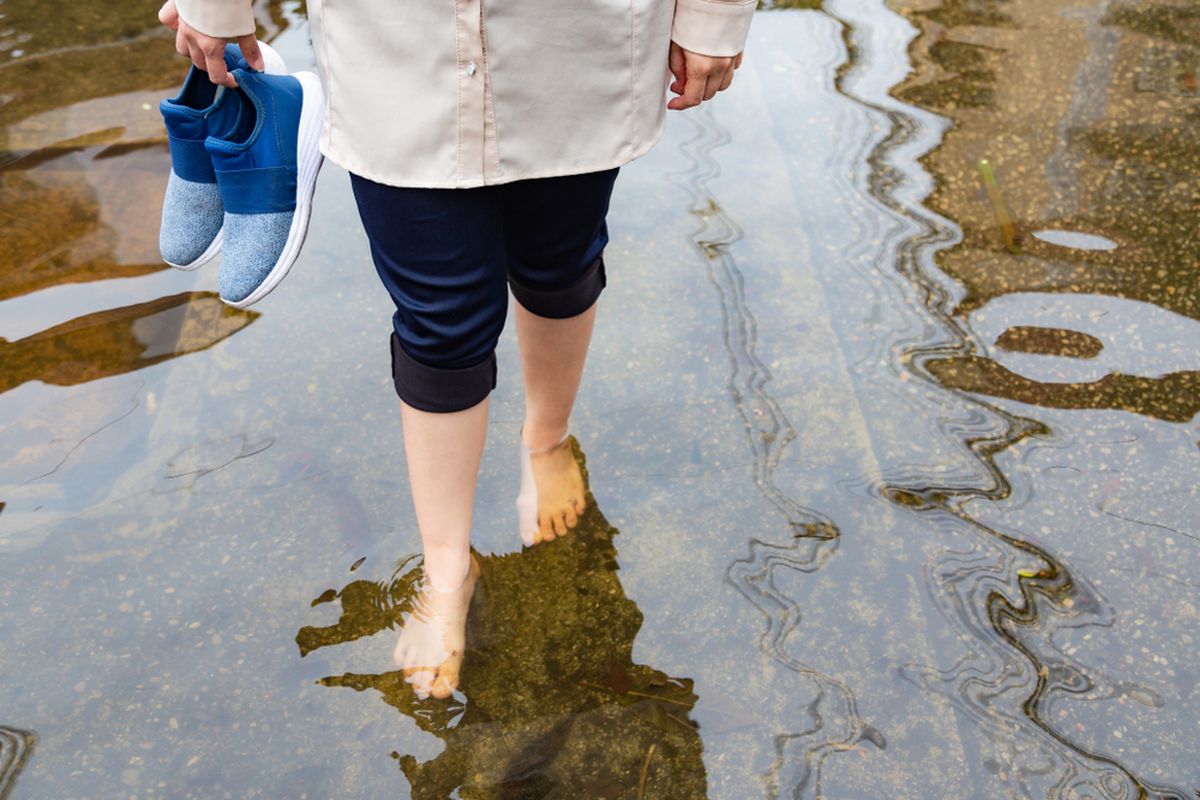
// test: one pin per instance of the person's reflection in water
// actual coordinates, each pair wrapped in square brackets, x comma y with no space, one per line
[554,705]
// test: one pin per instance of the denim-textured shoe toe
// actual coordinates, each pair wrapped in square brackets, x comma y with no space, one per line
[253,246]
[191,222]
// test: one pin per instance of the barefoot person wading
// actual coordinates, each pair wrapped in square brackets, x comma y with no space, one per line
[483,138]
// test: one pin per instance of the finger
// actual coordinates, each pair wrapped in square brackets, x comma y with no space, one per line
[713,85]
[214,54]
[693,93]
[181,45]
[737,60]
[196,55]
[253,55]
[168,15]
[728,79]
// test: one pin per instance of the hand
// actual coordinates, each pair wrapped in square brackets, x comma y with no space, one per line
[208,52]
[697,77]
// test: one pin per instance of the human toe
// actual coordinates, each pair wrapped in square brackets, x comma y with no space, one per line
[447,680]
[421,680]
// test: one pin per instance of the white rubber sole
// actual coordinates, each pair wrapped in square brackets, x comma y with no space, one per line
[208,255]
[274,65]
[308,158]
[273,62]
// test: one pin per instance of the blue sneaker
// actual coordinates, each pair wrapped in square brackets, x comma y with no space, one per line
[190,234]
[266,164]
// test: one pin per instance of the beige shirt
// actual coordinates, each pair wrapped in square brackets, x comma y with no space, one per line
[461,93]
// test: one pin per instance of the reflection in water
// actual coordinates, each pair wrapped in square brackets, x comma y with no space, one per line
[1085,110]
[1049,341]
[120,340]
[1014,597]
[551,701]
[1174,397]
[1075,239]
[1077,132]
[83,157]
[15,747]
[812,537]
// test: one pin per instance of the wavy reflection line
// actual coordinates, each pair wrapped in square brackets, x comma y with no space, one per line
[973,590]
[836,724]
[16,745]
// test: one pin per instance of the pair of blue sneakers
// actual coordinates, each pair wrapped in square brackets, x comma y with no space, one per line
[244,163]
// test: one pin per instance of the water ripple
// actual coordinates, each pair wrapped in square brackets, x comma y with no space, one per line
[1009,595]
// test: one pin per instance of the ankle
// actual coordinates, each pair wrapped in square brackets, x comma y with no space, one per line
[446,568]
[541,438]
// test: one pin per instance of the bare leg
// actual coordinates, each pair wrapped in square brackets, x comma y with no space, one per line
[553,352]
[552,356]
[443,452]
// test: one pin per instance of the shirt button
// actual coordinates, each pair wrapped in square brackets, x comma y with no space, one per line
[470,68]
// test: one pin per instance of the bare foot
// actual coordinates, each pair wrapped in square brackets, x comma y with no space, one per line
[432,642]
[552,496]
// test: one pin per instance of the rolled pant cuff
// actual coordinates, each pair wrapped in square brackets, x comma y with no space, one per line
[569,301]
[438,389]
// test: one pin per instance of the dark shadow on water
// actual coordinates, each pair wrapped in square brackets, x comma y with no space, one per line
[552,703]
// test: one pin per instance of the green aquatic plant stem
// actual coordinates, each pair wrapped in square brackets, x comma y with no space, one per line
[1008,231]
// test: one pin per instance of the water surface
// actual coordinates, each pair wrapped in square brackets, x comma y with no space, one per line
[891,496]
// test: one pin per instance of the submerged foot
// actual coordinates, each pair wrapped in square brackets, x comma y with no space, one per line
[553,495]
[433,639]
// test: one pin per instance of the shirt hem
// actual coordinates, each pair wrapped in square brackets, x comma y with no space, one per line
[351,164]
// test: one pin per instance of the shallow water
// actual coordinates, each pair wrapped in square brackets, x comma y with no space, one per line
[891,497]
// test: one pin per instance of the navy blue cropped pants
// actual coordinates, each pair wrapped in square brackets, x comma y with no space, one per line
[449,256]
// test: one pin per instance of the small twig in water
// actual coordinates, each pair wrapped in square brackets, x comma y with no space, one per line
[1151,524]
[645,769]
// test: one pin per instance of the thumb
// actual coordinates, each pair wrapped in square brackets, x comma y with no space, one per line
[676,63]
[253,55]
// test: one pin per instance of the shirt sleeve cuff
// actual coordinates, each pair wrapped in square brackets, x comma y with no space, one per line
[220,18]
[712,27]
